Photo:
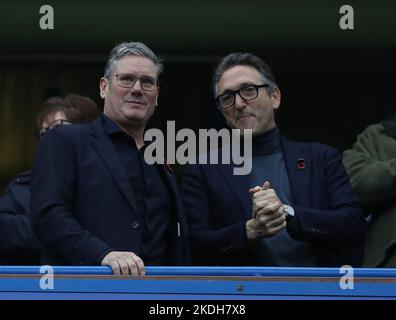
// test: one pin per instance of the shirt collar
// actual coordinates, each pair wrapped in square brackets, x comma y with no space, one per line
[110,127]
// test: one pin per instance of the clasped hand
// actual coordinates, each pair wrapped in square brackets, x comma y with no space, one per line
[268,214]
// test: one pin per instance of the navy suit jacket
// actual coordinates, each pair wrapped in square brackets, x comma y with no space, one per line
[18,244]
[83,205]
[218,205]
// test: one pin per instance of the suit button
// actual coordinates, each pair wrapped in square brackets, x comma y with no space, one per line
[135,225]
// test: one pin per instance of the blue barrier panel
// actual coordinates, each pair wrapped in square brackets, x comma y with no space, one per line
[198,283]
[212,271]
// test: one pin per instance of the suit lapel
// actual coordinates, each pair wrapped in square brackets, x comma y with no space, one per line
[107,152]
[170,181]
[239,185]
[299,175]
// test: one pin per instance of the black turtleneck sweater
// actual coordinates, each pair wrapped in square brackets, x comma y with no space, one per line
[268,165]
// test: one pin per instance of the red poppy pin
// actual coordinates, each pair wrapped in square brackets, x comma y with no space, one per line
[301,164]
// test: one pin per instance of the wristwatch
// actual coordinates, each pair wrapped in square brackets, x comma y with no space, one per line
[289,213]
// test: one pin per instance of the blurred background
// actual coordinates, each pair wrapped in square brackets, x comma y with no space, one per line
[334,82]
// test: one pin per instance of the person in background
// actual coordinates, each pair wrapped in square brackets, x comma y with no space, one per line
[18,244]
[371,165]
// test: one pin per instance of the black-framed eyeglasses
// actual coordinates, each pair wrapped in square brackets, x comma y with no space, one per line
[52,125]
[127,80]
[247,93]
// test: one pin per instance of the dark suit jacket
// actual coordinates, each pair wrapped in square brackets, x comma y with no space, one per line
[83,205]
[18,244]
[218,205]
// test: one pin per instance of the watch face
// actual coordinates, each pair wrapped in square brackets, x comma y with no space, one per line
[289,213]
[290,210]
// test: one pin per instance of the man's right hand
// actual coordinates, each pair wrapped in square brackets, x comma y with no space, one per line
[269,217]
[256,229]
[124,263]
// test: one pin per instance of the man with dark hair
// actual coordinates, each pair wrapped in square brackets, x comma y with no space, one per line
[295,208]
[97,202]
[18,244]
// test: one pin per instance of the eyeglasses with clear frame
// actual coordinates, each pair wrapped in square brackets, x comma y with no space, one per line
[247,93]
[127,80]
[52,125]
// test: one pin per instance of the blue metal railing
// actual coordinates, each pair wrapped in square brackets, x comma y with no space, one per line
[211,271]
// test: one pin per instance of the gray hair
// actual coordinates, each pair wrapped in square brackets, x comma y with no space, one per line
[245,59]
[131,49]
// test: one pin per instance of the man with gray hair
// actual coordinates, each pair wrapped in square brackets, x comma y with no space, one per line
[94,199]
[295,208]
